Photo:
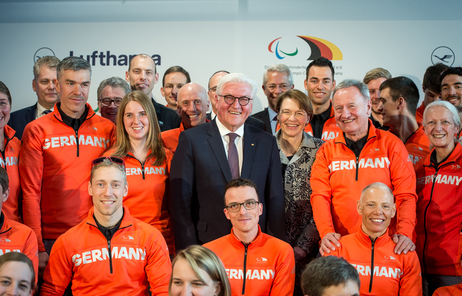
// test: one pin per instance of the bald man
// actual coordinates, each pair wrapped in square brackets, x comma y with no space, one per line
[192,106]
[371,249]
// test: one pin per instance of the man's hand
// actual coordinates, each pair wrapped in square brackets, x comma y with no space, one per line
[299,253]
[43,261]
[403,244]
[329,242]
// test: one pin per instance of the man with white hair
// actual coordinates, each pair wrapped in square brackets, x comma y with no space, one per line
[370,249]
[211,155]
[359,156]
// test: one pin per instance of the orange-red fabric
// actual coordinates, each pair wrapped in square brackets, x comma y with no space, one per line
[330,129]
[17,237]
[337,184]
[270,264]
[55,171]
[138,257]
[439,215]
[170,137]
[9,161]
[455,290]
[392,274]
[148,193]
[418,147]
[419,114]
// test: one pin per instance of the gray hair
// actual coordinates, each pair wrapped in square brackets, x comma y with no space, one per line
[113,82]
[376,185]
[447,105]
[47,61]
[281,68]
[237,78]
[361,86]
[73,63]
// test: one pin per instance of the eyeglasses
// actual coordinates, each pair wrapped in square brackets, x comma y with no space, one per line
[112,159]
[229,99]
[248,205]
[107,102]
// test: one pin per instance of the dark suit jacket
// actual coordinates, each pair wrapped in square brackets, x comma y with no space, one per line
[167,118]
[19,119]
[198,177]
[250,120]
[264,116]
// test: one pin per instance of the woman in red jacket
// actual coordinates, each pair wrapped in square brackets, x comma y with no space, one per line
[147,163]
[9,149]
[439,187]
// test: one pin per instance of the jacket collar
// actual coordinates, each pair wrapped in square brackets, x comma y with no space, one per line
[237,243]
[456,152]
[127,219]
[366,239]
[56,113]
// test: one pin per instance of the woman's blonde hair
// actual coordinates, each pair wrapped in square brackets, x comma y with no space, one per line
[201,258]
[154,139]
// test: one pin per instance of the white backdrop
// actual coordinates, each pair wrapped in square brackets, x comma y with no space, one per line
[402,47]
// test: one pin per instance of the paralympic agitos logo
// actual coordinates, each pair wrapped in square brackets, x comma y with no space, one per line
[319,47]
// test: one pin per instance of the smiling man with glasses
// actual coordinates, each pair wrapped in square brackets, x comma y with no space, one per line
[257,263]
[110,93]
[276,80]
[212,154]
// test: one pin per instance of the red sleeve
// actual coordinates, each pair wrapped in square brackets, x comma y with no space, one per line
[411,280]
[321,197]
[31,173]
[158,268]
[284,281]
[31,251]
[404,189]
[58,273]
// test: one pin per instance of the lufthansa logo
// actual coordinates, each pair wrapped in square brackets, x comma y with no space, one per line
[444,55]
[41,52]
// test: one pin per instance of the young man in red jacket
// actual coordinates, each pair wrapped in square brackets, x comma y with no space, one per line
[110,252]
[268,267]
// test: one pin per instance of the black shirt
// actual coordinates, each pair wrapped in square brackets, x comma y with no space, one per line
[357,146]
[108,232]
[75,123]
[317,122]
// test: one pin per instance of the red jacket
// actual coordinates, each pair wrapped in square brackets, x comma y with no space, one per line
[136,260]
[9,161]
[418,147]
[439,215]
[392,274]
[148,193]
[330,129]
[269,262]
[17,237]
[55,170]
[338,178]
[170,137]
[455,290]
[419,114]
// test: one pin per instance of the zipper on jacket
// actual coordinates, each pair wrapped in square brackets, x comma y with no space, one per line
[4,151]
[372,265]
[245,267]
[425,221]
[141,163]
[77,141]
[357,167]
[110,255]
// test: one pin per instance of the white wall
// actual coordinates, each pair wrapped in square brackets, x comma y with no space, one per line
[398,37]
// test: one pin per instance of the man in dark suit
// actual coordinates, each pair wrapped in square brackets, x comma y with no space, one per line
[44,86]
[276,80]
[142,75]
[211,155]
